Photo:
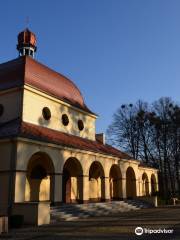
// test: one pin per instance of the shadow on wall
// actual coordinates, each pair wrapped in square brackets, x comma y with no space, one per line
[153,185]
[145,185]
[96,182]
[131,191]
[115,178]
[72,184]
[55,121]
[41,185]
[39,178]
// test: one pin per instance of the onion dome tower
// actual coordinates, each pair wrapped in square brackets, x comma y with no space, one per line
[26,43]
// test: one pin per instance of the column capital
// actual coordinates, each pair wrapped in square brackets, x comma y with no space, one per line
[56,174]
[84,176]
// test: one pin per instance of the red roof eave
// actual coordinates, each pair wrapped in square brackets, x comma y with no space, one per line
[45,134]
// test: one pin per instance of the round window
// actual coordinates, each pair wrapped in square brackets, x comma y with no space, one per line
[1,109]
[65,120]
[80,125]
[46,113]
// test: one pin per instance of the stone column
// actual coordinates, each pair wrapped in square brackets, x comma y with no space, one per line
[58,188]
[140,188]
[85,189]
[123,180]
[107,189]
[157,186]
[150,187]
[137,187]
[124,194]
[20,184]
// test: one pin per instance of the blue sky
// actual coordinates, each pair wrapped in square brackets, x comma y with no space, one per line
[116,51]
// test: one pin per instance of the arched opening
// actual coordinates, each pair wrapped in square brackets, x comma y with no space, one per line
[145,185]
[115,180]
[72,185]
[130,183]
[153,184]
[39,178]
[96,182]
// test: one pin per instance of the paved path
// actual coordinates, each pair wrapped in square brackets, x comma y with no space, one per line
[114,227]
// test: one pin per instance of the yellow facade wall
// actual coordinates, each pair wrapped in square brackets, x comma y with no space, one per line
[12,103]
[58,155]
[7,158]
[6,148]
[57,108]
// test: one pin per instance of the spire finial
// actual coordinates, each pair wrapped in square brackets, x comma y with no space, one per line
[27,21]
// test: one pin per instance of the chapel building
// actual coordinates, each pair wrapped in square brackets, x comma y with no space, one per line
[49,149]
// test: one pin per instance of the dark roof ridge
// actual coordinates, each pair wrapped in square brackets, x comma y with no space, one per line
[18,60]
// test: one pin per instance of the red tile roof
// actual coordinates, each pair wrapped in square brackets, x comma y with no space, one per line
[26,70]
[145,165]
[16,128]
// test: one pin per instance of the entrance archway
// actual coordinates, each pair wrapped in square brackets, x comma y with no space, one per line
[96,182]
[72,185]
[153,184]
[115,182]
[130,183]
[39,178]
[145,185]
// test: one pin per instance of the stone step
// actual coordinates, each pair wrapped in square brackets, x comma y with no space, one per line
[139,203]
[71,212]
[103,210]
[112,204]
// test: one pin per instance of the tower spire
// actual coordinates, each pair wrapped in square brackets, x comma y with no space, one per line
[26,43]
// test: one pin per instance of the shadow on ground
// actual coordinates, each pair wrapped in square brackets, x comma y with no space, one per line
[114,227]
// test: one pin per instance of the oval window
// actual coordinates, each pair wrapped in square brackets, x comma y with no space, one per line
[65,120]
[1,110]
[80,125]
[46,113]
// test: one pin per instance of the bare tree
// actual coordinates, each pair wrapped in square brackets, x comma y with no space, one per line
[124,132]
[151,133]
